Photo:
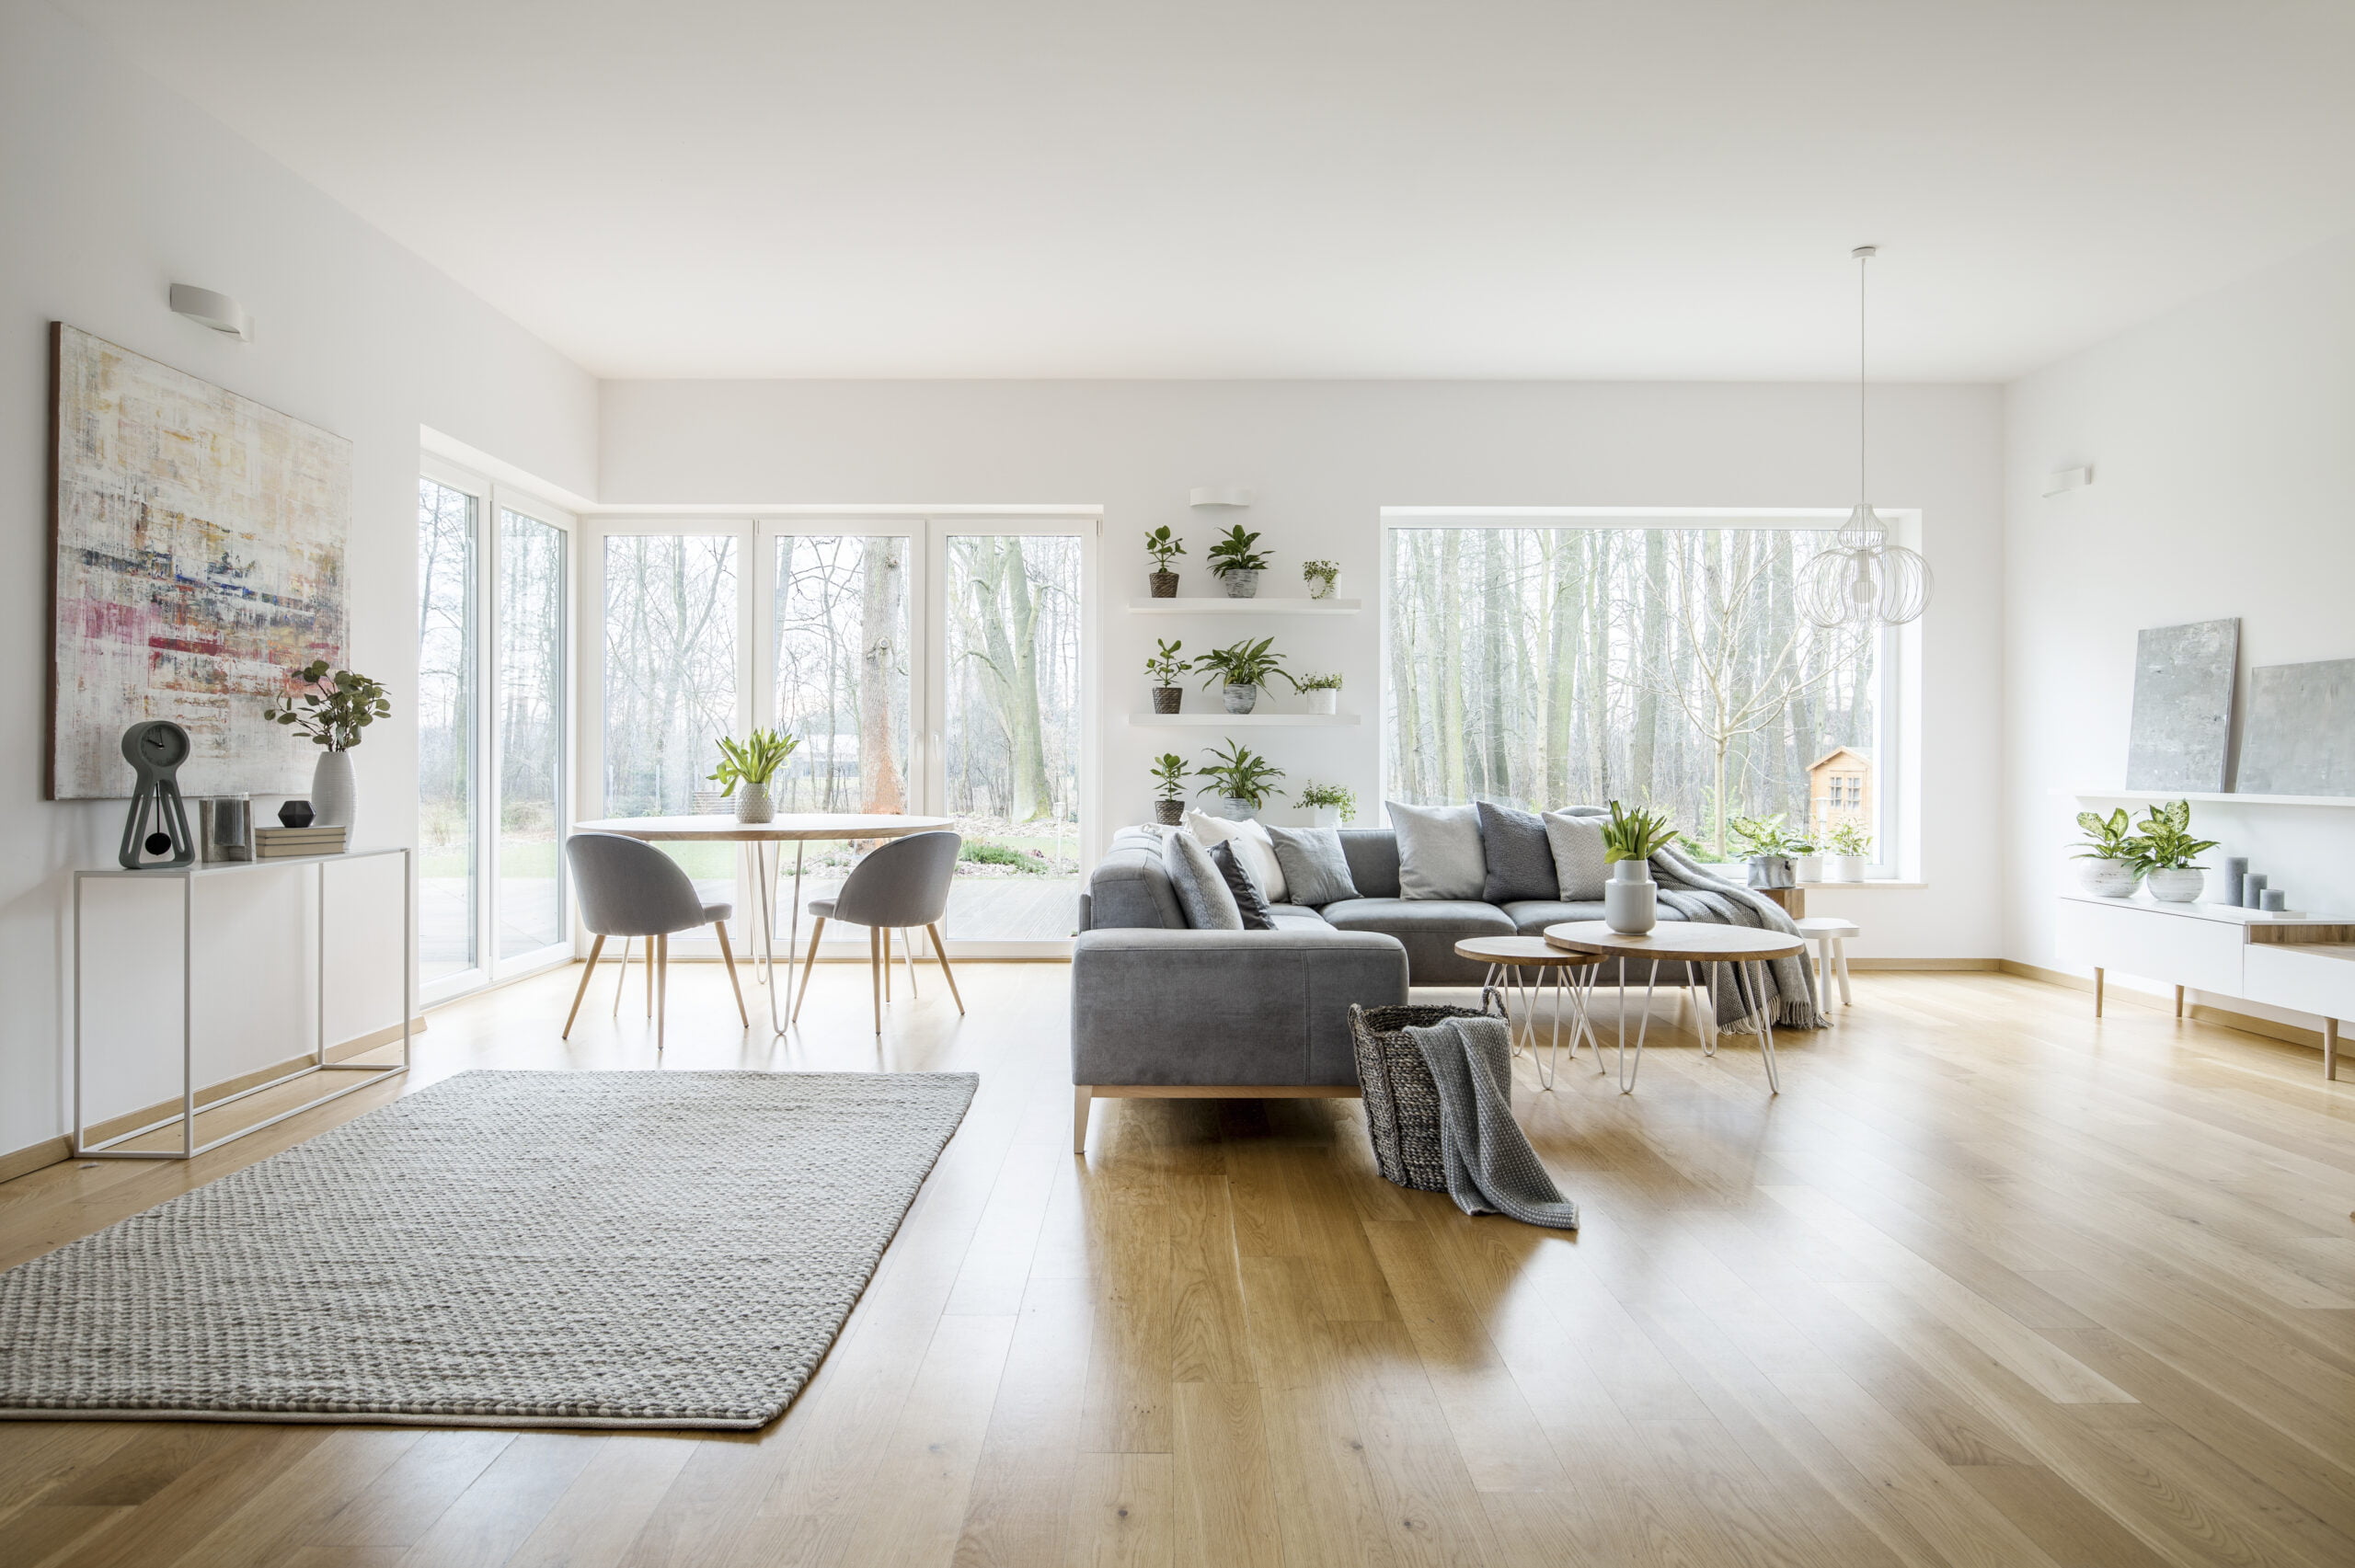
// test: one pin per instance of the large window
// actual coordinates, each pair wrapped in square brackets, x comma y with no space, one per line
[447,640]
[1544,665]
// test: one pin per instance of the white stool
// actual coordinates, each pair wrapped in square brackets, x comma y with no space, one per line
[1830,933]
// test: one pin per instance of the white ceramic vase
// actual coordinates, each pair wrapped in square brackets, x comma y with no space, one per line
[753,804]
[1320,588]
[1323,816]
[335,797]
[1631,899]
[2176,884]
[1843,868]
[1325,700]
[2107,878]
[1808,867]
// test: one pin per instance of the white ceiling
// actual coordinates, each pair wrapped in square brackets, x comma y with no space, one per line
[1644,189]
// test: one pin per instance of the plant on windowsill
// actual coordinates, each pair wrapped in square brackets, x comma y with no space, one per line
[1238,566]
[1243,779]
[1771,848]
[1319,576]
[1164,667]
[2164,850]
[332,714]
[1328,805]
[1630,839]
[2109,851]
[1243,669]
[1323,692]
[1162,544]
[747,767]
[1169,772]
[1847,846]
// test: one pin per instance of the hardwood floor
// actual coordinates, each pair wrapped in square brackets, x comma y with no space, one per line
[1991,1284]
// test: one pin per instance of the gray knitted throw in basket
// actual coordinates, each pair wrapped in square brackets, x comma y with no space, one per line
[1401,1101]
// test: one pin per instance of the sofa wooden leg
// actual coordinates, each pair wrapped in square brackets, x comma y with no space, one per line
[1081,1095]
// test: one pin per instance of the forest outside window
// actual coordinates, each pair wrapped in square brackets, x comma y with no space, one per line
[1574,664]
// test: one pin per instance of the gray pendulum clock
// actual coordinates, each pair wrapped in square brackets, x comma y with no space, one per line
[157,825]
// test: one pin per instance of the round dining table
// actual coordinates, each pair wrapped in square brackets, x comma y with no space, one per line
[798,828]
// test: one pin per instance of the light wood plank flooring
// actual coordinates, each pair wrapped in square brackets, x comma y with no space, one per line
[1993,1283]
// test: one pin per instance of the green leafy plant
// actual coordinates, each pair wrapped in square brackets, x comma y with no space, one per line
[333,713]
[2106,837]
[1167,664]
[2166,843]
[1233,553]
[1245,663]
[1240,774]
[1317,683]
[1320,571]
[1635,835]
[1169,772]
[1850,838]
[754,760]
[1755,836]
[1162,544]
[1333,796]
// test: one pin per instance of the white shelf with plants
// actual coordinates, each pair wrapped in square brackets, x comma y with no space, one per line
[1204,605]
[1236,552]
[1224,721]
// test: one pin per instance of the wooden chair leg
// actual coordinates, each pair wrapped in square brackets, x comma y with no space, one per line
[946,972]
[807,965]
[1081,1095]
[875,973]
[885,933]
[653,943]
[586,969]
[2097,993]
[661,972]
[621,981]
[721,927]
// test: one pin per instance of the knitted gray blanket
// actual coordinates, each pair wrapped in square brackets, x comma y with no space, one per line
[1490,1167]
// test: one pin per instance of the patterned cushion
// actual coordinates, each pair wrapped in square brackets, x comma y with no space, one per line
[1249,901]
[1439,850]
[1519,859]
[1201,891]
[1315,871]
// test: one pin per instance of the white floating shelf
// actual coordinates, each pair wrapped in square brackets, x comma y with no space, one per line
[1208,606]
[1215,721]
[2341,802]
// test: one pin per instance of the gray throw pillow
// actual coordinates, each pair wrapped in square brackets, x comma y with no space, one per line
[1316,870]
[1439,850]
[1519,856]
[1201,892]
[1579,866]
[1251,903]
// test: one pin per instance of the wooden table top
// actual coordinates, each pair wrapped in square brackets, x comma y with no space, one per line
[1696,941]
[1520,950]
[786,827]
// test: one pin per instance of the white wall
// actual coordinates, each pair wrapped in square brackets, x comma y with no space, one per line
[1326,458]
[2222,439]
[110,190]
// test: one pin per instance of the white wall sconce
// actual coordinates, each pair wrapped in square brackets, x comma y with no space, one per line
[2065,480]
[1219,496]
[218,312]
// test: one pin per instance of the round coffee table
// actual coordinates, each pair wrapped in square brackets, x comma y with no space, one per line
[1741,949]
[1525,963]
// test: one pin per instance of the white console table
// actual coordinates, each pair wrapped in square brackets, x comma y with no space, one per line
[2306,964]
[188,877]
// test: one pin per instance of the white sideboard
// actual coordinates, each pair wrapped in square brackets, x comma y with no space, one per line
[2305,963]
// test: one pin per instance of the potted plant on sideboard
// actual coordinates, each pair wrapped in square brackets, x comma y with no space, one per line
[1169,789]
[748,766]
[1243,669]
[1243,779]
[1323,692]
[1328,805]
[1164,667]
[1238,566]
[340,705]
[2164,853]
[2109,852]
[1630,899]
[1846,848]
[1162,544]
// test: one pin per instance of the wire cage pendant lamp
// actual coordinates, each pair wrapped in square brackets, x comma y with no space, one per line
[1863,578]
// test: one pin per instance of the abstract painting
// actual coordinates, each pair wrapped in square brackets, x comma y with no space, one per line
[199,554]
[2183,706]
[2300,737]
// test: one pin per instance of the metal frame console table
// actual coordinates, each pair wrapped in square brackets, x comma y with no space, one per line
[188,877]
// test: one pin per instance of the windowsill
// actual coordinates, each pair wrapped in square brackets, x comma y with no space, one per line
[1871,882]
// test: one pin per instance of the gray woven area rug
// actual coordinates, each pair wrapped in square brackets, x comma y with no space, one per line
[561,1249]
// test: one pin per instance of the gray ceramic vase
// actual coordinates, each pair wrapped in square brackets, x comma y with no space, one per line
[1241,699]
[1241,584]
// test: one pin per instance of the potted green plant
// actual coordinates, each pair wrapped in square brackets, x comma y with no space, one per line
[1319,576]
[340,705]
[1238,566]
[1630,839]
[748,766]
[2164,850]
[1161,545]
[1168,789]
[1328,805]
[2109,852]
[1848,846]
[1243,669]
[1323,692]
[1164,667]
[1242,778]
[1768,844]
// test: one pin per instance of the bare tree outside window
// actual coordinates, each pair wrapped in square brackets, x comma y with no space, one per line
[446,681]
[670,683]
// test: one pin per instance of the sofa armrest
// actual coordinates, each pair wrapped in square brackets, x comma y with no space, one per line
[1223,1007]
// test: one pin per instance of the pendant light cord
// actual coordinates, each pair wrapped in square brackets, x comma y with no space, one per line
[1864,260]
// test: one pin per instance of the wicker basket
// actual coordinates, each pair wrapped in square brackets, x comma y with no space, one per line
[1401,1101]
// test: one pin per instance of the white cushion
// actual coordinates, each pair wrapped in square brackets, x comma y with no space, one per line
[1578,865]
[1439,850]
[1251,842]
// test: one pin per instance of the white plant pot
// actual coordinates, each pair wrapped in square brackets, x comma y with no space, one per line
[2107,878]
[1843,868]
[1241,699]
[1631,899]
[1320,588]
[2181,884]
[1323,816]
[1326,699]
[754,805]
[1808,867]
[335,796]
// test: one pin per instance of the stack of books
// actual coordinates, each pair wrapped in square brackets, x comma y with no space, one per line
[281,844]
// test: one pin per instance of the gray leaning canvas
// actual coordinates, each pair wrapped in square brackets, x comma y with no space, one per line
[2300,733]
[2183,705]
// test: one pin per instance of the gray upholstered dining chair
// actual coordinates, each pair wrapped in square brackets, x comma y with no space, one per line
[900,885]
[628,888]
